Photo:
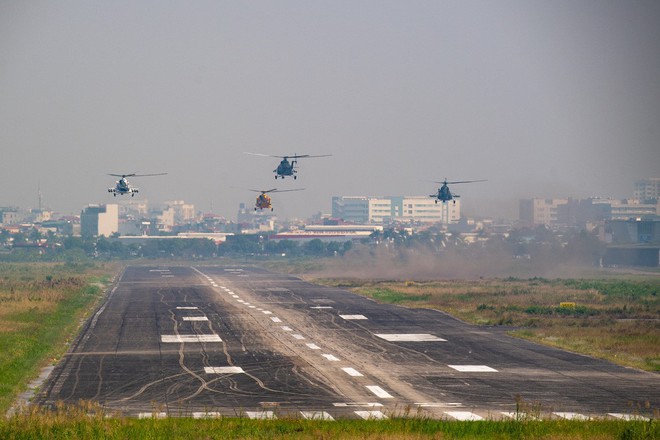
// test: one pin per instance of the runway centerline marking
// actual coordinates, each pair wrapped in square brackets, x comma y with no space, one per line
[223,370]
[313,346]
[267,312]
[330,357]
[378,391]
[410,337]
[187,308]
[275,319]
[195,318]
[286,328]
[473,368]
[353,317]
[352,372]
[321,307]
[299,337]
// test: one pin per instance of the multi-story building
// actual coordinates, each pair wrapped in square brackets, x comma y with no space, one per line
[97,220]
[540,211]
[648,190]
[365,209]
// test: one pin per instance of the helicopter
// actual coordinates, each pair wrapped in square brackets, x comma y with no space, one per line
[444,195]
[123,187]
[286,168]
[263,200]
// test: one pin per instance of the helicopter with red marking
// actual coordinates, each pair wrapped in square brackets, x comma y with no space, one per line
[444,195]
[263,200]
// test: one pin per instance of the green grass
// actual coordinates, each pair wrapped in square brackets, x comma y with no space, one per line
[41,308]
[86,421]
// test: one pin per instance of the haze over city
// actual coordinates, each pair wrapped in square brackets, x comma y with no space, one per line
[543,99]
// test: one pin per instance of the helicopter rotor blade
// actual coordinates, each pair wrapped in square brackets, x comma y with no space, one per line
[289,190]
[459,181]
[122,175]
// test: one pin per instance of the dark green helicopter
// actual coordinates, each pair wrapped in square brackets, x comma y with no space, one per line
[286,168]
[444,195]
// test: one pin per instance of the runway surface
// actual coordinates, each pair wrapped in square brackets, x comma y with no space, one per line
[240,341]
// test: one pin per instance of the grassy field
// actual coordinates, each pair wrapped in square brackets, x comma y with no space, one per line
[42,306]
[86,422]
[614,319]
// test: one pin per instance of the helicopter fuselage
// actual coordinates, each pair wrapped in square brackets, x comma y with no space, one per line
[285,168]
[123,187]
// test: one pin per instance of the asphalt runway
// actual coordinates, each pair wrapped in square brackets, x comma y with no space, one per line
[239,341]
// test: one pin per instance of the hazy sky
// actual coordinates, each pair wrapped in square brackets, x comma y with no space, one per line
[542,98]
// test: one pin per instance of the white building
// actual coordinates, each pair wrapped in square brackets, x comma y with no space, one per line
[97,220]
[406,209]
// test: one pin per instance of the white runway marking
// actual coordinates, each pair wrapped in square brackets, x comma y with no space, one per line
[331,357]
[367,404]
[410,337]
[473,368]
[629,416]
[571,416]
[438,404]
[313,346]
[189,338]
[371,415]
[253,307]
[316,415]
[299,337]
[159,270]
[352,372]
[350,317]
[464,415]
[235,296]
[167,276]
[223,370]
[378,391]
[321,307]
[286,328]
[206,415]
[261,415]
[150,415]
[195,318]
[186,308]
[267,312]
[275,319]
[517,415]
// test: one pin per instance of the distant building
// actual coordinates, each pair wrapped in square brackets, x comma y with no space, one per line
[379,210]
[183,212]
[97,220]
[648,190]
[533,212]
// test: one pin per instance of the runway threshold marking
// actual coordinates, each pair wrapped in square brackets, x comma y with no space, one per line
[438,404]
[187,308]
[317,415]
[189,338]
[152,415]
[571,416]
[361,404]
[379,392]
[352,317]
[260,415]
[206,415]
[352,372]
[517,415]
[195,318]
[473,368]
[629,416]
[464,415]
[321,307]
[371,415]
[223,370]
[410,337]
